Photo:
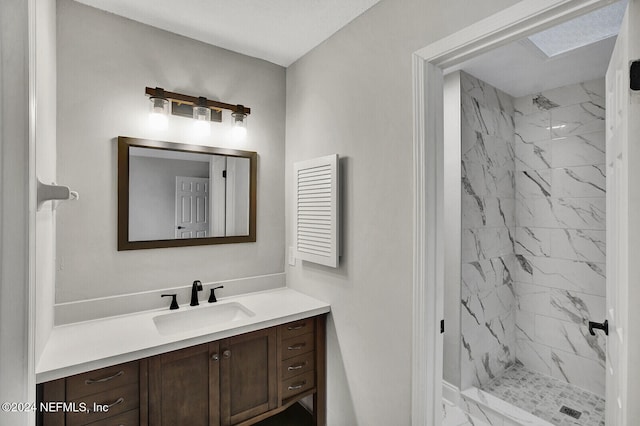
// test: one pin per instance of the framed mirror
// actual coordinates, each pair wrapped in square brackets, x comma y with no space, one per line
[176,195]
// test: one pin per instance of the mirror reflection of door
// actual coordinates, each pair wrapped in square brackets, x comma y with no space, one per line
[192,207]
[183,195]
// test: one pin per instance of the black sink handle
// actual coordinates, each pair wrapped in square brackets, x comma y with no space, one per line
[212,296]
[174,303]
[604,326]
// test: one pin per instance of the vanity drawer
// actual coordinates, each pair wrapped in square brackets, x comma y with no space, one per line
[297,328]
[119,401]
[298,345]
[298,365]
[130,418]
[297,384]
[102,380]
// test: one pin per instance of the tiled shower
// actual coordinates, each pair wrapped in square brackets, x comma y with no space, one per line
[533,235]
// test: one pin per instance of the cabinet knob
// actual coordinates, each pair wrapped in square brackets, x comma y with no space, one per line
[226,354]
[215,356]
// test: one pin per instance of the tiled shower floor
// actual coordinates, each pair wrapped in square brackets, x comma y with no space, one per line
[544,396]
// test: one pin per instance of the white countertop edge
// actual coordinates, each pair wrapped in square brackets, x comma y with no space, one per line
[54,364]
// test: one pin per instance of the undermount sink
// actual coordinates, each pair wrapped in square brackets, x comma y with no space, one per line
[192,319]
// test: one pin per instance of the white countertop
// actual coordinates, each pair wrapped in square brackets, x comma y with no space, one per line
[85,346]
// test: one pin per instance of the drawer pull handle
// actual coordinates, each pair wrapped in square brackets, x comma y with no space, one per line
[109,406]
[297,366]
[296,327]
[298,385]
[297,346]
[105,379]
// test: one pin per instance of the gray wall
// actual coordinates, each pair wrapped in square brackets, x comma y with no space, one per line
[152,195]
[104,64]
[560,234]
[352,95]
[488,232]
[452,199]
[17,378]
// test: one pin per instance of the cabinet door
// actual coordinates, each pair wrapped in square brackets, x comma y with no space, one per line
[248,376]
[183,387]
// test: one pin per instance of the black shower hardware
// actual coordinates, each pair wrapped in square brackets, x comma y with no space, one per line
[212,296]
[174,303]
[604,326]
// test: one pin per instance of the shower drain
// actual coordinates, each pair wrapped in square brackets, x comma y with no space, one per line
[570,412]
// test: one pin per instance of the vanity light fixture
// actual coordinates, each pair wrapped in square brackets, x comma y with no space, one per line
[198,108]
[159,110]
[239,117]
[202,117]
[200,111]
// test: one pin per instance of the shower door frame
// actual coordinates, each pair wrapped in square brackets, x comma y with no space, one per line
[430,64]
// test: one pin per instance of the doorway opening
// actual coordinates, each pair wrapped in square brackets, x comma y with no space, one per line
[525,259]
[530,143]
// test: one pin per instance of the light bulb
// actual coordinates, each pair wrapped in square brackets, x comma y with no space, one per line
[238,132]
[201,113]
[239,129]
[158,121]
[158,113]
[201,128]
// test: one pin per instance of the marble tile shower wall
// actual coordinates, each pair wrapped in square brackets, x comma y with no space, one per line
[488,232]
[560,232]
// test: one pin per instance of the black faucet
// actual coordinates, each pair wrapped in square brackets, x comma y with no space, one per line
[174,303]
[212,296]
[195,288]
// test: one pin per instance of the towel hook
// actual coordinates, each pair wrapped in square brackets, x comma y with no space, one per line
[54,192]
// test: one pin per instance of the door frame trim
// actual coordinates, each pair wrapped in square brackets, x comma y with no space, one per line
[429,66]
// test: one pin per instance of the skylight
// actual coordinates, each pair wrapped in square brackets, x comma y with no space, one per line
[581,31]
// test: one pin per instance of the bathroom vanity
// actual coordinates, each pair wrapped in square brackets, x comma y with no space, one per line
[235,375]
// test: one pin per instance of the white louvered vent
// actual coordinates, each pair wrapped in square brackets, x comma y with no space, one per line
[317,210]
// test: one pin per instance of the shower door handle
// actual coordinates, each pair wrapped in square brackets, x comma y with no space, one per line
[604,326]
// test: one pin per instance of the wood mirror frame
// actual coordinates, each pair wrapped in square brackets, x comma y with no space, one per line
[124,143]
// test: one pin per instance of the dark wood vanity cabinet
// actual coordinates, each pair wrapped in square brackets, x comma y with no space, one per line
[183,386]
[114,395]
[235,381]
[248,376]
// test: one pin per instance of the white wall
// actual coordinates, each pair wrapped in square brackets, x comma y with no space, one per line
[17,378]
[352,95]
[104,64]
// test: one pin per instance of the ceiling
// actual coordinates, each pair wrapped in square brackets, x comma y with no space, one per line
[279,31]
[521,68]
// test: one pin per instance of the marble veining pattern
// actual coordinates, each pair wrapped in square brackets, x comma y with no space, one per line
[560,247]
[488,232]
[454,416]
[562,213]
[543,396]
[533,232]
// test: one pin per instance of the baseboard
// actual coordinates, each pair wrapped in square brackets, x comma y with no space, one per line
[450,393]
